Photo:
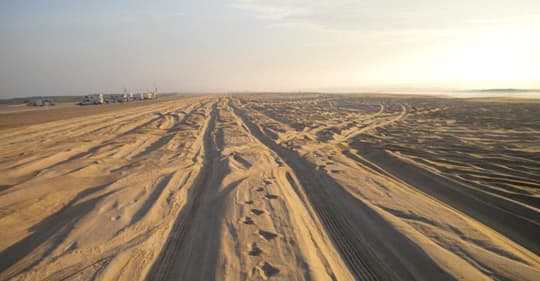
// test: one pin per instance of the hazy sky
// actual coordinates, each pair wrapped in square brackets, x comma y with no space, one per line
[53,47]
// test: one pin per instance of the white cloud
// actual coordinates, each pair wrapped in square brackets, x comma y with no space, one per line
[272,10]
[292,13]
[385,14]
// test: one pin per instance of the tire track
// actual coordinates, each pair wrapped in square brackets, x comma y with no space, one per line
[511,220]
[74,151]
[170,133]
[164,265]
[75,130]
[79,126]
[140,225]
[350,135]
[356,248]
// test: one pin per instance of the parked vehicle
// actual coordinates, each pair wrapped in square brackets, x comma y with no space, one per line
[119,98]
[92,99]
[41,102]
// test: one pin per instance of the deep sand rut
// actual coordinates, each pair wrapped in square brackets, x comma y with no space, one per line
[245,217]
[368,255]
[249,188]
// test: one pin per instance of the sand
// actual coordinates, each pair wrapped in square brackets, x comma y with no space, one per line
[272,187]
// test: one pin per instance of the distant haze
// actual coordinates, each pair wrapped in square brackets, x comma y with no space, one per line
[62,47]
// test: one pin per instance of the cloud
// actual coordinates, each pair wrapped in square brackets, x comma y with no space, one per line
[292,13]
[336,15]
[382,15]
[272,10]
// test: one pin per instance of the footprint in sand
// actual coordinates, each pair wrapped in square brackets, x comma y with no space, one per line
[249,202]
[260,189]
[267,235]
[257,212]
[271,196]
[267,182]
[248,220]
[255,251]
[267,270]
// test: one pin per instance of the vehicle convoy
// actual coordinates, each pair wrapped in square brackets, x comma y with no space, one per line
[118,98]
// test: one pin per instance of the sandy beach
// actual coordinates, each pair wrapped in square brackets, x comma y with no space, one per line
[272,187]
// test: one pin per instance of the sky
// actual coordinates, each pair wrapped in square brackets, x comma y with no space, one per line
[73,47]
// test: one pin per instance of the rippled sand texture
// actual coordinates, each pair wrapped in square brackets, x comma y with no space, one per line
[273,187]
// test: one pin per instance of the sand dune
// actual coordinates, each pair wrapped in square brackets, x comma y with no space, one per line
[273,187]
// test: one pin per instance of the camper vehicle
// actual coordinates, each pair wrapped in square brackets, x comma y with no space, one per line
[92,99]
[151,95]
[127,96]
[40,102]
[116,98]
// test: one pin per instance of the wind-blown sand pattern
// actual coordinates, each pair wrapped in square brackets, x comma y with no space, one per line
[274,187]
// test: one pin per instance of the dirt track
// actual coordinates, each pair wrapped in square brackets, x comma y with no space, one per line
[313,187]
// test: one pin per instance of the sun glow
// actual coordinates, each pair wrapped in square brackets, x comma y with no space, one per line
[483,58]
[501,55]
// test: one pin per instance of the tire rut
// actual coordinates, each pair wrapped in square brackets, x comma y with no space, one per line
[164,264]
[362,261]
